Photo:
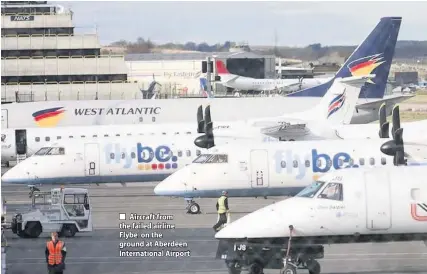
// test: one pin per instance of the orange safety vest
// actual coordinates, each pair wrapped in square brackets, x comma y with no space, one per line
[55,255]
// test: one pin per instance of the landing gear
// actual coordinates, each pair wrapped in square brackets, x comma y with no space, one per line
[192,207]
[300,260]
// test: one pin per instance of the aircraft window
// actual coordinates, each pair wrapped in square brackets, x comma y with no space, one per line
[132,155]
[218,158]
[176,133]
[83,136]
[198,152]
[295,163]
[164,133]
[153,119]
[188,153]
[188,132]
[310,190]
[58,137]
[37,139]
[372,161]
[42,151]
[351,162]
[123,155]
[105,135]
[329,163]
[383,161]
[283,164]
[141,119]
[70,137]
[129,134]
[332,191]
[118,135]
[141,134]
[202,158]
[361,161]
[95,136]
[307,163]
[111,155]
[340,162]
[179,153]
[47,138]
[56,151]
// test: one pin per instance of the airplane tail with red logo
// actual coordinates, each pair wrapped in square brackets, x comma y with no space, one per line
[223,72]
[373,56]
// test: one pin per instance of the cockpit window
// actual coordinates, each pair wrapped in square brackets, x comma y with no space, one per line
[42,151]
[332,191]
[56,151]
[211,159]
[311,190]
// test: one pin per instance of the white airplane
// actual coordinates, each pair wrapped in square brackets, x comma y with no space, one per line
[373,56]
[238,82]
[254,169]
[387,204]
[335,108]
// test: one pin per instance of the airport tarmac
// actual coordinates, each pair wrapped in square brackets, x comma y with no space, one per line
[98,251]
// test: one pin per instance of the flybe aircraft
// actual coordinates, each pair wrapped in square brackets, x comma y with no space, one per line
[335,108]
[385,204]
[373,56]
[282,169]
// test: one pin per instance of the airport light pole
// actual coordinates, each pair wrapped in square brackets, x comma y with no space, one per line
[208,76]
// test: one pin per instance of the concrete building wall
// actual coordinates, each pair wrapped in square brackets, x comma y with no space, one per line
[64,66]
[70,91]
[63,20]
[34,42]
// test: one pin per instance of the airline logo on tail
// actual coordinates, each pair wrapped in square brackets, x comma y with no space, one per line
[366,65]
[336,104]
[48,117]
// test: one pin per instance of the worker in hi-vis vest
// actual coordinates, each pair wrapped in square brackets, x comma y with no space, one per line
[222,209]
[55,255]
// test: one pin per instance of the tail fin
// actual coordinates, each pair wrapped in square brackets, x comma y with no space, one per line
[372,56]
[204,88]
[221,68]
[337,106]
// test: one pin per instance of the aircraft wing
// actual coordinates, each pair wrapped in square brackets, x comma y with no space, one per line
[394,99]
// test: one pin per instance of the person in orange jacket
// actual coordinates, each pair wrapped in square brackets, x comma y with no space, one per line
[55,255]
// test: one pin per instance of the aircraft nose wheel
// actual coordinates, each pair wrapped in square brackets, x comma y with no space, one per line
[193,208]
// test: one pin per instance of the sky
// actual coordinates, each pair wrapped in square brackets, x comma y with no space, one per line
[258,23]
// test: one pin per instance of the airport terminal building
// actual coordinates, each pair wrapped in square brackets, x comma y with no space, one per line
[43,59]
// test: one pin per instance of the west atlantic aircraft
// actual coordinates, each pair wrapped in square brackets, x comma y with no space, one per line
[254,169]
[387,204]
[373,56]
[335,108]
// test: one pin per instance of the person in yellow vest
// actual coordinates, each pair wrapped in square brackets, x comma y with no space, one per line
[55,255]
[222,209]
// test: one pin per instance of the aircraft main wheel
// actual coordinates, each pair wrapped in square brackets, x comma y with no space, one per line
[313,266]
[68,230]
[33,229]
[289,269]
[194,208]
[255,268]
[231,267]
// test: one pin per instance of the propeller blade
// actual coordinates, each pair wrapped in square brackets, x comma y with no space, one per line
[384,125]
[208,118]
[209,135]
[396,120]
[200,121]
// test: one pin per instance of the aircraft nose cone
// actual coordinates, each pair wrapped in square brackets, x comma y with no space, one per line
[14,175]
[389,148]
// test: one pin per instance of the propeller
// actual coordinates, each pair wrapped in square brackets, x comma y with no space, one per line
[395,147]
[204,126]
[384,125]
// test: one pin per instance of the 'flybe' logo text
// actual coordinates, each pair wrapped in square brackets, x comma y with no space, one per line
[288,162]
[146,157]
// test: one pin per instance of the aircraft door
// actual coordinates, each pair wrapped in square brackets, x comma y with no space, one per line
[4,119]
[21,141]
[91,160]
[378,201]
[259,168]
